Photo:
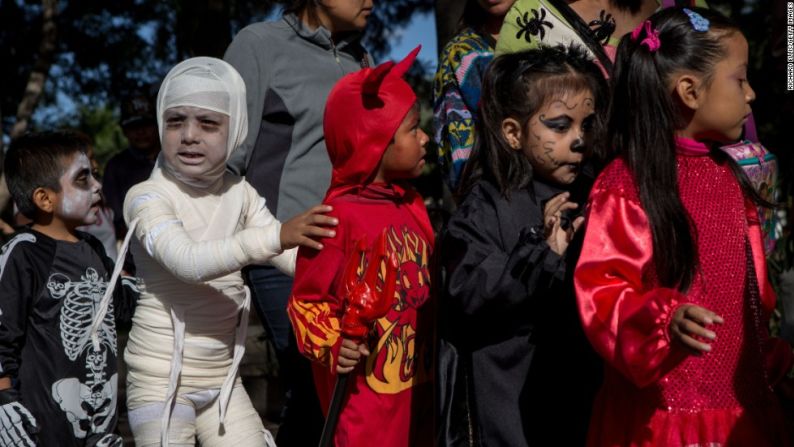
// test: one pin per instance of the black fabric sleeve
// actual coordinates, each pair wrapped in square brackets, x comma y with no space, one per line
[18,290]
[482,275]
[125,299]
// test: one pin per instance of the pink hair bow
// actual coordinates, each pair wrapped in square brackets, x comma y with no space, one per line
[651,39]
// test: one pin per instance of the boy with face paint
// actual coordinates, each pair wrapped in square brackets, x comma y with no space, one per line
[56,387]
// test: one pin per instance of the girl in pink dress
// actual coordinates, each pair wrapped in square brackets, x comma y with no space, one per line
[671,283]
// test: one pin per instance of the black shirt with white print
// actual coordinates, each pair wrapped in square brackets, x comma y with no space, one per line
[50,291]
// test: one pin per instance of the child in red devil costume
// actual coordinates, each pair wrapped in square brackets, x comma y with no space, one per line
[374,142]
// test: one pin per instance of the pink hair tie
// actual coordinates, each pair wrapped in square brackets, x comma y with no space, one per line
[651,39]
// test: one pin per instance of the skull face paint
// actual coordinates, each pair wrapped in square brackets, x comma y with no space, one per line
[79,196]
[559,136]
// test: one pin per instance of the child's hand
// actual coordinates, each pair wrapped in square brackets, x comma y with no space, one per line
[558,237]
[688,327]
[349,355]
[17,425]
[304,228]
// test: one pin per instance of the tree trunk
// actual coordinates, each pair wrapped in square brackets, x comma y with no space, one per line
[35,86]
[448,14]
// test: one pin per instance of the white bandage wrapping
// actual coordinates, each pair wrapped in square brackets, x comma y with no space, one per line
[163,235]
[199,229]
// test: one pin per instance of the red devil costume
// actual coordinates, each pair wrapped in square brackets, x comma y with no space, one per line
[390,397]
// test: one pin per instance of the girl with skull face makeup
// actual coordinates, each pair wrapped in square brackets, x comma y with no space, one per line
[507,256]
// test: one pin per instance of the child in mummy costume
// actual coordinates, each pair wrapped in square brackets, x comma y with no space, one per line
[195,226]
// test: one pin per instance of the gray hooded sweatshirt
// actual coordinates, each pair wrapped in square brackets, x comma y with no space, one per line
[288,71]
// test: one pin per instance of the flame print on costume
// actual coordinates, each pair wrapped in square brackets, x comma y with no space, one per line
[394,365]
[90,405]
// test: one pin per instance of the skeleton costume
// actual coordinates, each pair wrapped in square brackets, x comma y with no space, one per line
[193,235]
[50,291]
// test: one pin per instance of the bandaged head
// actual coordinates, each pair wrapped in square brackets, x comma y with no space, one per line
[211,84]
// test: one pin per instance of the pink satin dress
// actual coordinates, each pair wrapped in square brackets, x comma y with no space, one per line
[655,393]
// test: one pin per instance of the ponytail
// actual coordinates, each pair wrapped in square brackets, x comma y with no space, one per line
[643,119]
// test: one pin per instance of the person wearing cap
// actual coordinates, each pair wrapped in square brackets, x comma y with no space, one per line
[193,227]
[375,146]
[135,163]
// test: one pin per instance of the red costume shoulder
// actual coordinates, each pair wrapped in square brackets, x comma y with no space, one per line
[616,178]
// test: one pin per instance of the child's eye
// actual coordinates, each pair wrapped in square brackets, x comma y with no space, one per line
[173,123]
[560,125]
[587,125]
[210,126]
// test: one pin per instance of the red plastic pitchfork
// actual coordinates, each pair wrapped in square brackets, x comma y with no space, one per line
[364,304]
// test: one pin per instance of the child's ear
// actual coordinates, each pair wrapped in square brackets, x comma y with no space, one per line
[44,199]
[688,88]
[511,131]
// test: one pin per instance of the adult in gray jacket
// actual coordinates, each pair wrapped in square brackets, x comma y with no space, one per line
[289,67]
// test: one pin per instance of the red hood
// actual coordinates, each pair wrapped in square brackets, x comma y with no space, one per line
[362,114]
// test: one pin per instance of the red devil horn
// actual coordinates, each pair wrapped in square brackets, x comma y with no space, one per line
[375,78]
[402,67]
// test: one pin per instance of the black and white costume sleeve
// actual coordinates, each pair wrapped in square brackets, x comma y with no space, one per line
[49,293]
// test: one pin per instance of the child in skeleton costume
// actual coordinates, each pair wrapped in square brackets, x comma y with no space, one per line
[194,227]
[55,377]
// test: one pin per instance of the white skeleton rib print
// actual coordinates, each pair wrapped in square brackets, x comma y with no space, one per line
[89,406]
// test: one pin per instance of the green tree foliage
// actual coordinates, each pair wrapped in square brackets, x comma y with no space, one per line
[102,124]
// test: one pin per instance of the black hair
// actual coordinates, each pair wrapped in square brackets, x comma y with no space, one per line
[38,160]
[515,86]
[473,16]
[297,7]
[643,118]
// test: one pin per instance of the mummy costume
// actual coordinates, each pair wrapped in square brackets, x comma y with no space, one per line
[193,235]
[50,291]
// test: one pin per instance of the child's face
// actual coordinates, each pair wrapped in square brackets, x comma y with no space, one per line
[78,201]
[94,164]
[558,136]
[724,106]
[404,158]
[194,139]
